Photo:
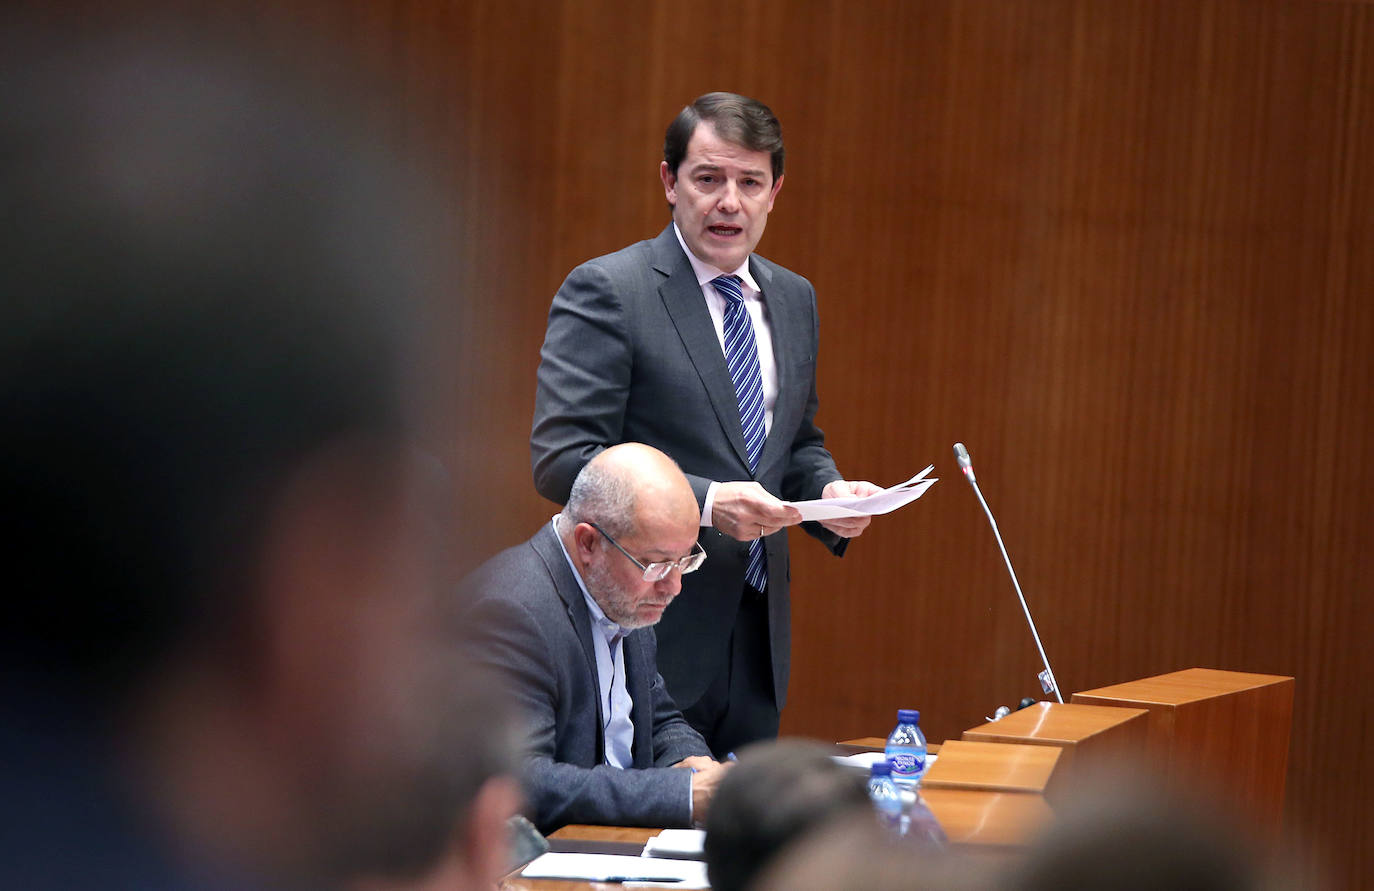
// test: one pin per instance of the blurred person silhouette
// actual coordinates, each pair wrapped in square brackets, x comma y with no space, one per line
[860,854]
[779,792]
[220,666]
[1122,835]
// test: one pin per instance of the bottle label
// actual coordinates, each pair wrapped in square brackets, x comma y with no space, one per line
[906,763]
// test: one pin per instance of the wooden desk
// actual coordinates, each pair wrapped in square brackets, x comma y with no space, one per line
[978,821]
[975,820]
[1223,731]
[1085,733]
[992,767]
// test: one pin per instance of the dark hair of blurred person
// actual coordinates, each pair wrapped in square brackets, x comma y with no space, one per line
[777,793]
[861,854]
[219,666]
[1123,835]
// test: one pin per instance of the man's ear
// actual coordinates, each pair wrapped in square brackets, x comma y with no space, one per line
[669,178]
[584,537]
[773,193]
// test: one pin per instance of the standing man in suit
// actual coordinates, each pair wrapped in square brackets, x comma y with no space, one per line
[566,618]
[692,343]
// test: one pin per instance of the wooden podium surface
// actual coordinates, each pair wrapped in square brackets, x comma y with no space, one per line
[978,820]
[1082,732]
[1223,731]
[992,767]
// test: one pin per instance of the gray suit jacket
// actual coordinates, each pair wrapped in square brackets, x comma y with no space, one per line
[530,623]
[631,355]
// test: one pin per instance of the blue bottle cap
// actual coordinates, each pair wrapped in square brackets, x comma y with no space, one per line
[908,716]
[880,769]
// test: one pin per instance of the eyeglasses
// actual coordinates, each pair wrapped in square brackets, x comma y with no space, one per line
[657,571]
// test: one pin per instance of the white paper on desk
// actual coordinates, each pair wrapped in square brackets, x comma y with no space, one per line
[639,871]
[679,843]
[882,502]
[865,760]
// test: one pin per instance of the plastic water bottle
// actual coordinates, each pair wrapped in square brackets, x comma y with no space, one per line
[886,797]
[906,748]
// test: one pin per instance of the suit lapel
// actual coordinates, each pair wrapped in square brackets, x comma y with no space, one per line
[682,298]
[550,550]
[637,683]
[783,320]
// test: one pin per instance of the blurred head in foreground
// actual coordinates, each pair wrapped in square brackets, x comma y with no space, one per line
[1125,836]
[777,793]
[219,663]
[850,853]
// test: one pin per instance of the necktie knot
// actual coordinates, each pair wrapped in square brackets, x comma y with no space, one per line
[729,287]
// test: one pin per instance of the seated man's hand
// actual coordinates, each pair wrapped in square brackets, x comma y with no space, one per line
[704,783]
[745,511]
[848,527]
[698,762]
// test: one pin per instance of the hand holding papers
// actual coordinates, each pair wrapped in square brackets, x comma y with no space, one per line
[883,502]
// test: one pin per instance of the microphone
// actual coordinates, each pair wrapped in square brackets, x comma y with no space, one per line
[1004,710]
[1047,681]
[965,463]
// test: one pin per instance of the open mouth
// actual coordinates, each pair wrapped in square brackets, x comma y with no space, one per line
[725,231]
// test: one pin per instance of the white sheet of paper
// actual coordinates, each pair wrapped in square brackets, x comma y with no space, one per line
[883,502]
[865,760]
[676,843]
[638,871]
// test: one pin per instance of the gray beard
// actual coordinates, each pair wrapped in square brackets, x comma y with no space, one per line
[617,603]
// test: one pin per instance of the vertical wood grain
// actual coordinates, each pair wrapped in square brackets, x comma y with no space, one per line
[1123,249]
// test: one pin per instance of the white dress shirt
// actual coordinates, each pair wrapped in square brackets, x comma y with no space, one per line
[608,643]
[763,336]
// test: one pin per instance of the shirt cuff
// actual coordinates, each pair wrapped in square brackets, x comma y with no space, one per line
[706,505]
[691,811]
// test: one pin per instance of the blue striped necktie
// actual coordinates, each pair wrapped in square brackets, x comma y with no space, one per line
[742,358]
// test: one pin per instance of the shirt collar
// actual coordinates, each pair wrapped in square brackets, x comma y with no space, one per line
[609,629]
[706,273]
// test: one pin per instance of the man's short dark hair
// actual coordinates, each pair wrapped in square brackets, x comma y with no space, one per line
[779,792]
[738,119]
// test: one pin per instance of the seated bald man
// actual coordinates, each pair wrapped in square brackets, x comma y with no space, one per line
[567,619]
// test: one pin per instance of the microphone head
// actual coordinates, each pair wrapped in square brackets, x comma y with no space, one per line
[1002,712]
[965,462]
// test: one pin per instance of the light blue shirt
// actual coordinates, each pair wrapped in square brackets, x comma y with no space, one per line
[608,644]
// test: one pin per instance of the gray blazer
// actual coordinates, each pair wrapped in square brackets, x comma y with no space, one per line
[631,355]
[530,623]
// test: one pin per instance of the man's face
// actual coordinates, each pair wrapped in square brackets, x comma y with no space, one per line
[618,585]
[721,195]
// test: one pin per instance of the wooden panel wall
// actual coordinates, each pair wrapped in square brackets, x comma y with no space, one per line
[1123,249]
